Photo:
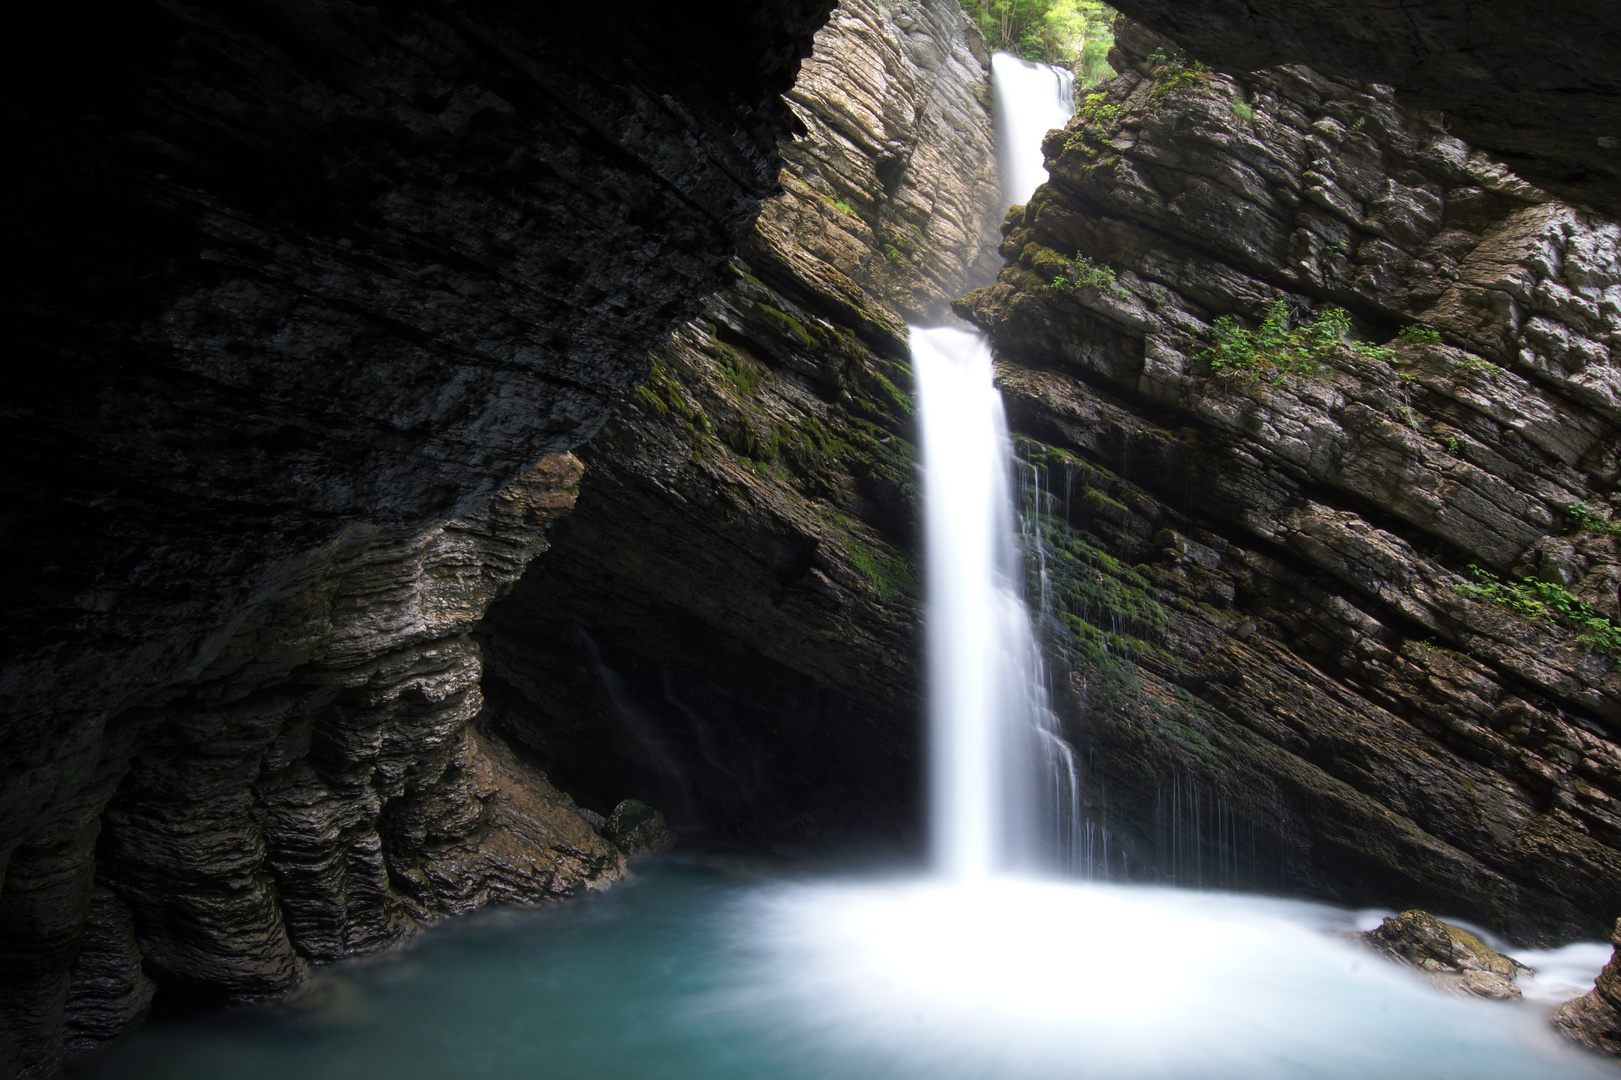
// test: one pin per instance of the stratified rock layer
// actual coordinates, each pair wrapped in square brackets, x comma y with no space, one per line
[1282,672]
[307,303]
[727,627]
[1535,83]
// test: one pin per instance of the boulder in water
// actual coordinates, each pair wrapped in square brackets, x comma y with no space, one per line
[1453,958]
[639,829]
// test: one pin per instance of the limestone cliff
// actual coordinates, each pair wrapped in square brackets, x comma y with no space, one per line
[727,626]
[1281,668]
[306,305]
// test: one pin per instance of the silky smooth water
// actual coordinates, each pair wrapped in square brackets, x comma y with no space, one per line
[1004,790]
[691,972]
[1030,100]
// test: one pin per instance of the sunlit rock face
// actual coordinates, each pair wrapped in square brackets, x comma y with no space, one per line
[1277,675]
[307,304]
[1534,83]
[728,626]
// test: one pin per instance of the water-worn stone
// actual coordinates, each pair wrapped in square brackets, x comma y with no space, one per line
[638,829]
[1451,957]
[1594,1019]
[1318,701]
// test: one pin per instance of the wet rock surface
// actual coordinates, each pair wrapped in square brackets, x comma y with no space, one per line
[307,304]
[1529,82]
[1453,958]
[1258,592]
[1594,1019]
[727,626]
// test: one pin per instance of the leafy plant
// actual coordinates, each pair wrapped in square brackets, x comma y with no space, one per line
[1243,110]
[1419,334]
[1582,516]
[1279,345]
[1082,273]
[1543,601]
[1174,71]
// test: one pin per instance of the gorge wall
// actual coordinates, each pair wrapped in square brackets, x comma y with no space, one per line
[727,626]
[308,304]
[1533,83]
[1278,663]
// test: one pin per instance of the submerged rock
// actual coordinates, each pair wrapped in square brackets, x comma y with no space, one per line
[1453,958]
[1594,1019]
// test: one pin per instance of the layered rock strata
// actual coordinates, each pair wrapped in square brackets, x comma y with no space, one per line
[1534,83]
[307,305]
[1281,668]
[727,627]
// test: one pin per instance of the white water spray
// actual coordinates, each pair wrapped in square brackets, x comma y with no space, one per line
[1031,99]
[1004,792]
[1004,789]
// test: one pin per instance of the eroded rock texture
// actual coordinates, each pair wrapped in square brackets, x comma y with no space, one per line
[727,627]
[307,304]
[1534,82]
[1257,580]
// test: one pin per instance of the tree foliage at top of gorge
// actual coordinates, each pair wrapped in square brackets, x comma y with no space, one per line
[1075,33]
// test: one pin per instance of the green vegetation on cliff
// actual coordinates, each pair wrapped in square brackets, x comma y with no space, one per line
[1543,601]
[1283,345]
[1075,33]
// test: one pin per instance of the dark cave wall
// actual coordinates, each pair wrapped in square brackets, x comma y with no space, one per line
[305,305]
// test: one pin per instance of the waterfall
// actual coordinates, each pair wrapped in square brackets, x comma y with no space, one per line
[1031,99]
[1004,789]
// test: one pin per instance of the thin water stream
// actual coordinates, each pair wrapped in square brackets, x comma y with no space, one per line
[981,969]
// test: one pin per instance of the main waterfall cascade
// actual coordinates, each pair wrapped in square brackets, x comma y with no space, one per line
[1004,789]
[973,971]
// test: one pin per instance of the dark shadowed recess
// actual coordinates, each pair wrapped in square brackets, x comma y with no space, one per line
[275,269]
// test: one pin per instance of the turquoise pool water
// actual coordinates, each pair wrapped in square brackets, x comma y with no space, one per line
[696,970]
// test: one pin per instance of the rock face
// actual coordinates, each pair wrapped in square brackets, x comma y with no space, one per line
[727,627]
[1281,667]
[1534,83]
[1594,1019]
[1453,958]
[307,305]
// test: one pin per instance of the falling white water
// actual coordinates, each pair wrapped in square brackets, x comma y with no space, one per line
[1004,791]
[1031,100]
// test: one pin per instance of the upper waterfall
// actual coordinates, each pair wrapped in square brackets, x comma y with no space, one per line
[1031,99]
